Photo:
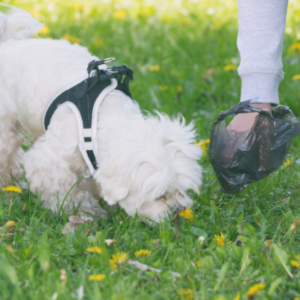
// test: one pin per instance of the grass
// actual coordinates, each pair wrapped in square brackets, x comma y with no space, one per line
[190,43]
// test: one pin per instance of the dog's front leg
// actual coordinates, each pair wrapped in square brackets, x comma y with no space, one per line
[52,176]
[54,164]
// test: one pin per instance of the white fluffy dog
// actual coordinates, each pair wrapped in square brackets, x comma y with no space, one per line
[145,163]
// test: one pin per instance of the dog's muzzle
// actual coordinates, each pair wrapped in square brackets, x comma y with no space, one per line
[179,209]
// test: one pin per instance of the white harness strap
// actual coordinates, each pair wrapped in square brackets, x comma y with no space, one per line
[88,137]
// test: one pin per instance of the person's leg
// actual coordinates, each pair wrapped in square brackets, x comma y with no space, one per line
[260,38]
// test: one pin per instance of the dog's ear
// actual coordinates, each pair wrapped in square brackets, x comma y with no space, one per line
[113,187]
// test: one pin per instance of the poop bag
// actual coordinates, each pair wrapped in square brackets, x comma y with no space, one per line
[241,158]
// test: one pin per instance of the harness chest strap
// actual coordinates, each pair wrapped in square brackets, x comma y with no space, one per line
[84,97]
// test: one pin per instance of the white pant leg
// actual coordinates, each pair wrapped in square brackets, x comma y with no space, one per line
[260,38]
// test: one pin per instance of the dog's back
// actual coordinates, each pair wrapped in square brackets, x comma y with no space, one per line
[33,69]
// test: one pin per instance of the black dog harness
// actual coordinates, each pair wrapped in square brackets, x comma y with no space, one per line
[84,97]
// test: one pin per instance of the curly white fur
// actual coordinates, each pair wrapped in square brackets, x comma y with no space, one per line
[146,163]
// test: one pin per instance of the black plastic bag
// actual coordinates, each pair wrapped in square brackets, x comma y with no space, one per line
[241,158]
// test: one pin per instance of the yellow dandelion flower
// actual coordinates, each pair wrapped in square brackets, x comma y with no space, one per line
[98,277]
[254,289]
[296,77]
[295,47]
[238,297]
[13,189]
[94,249]
[24,206]
[79,7]
[188,294]
[71,39]
[98,41]
[230,68]
[44,30]
[156,241]
[203,144]
[294,263]
[120,14]
[179,89]
[198,264]
[10,248]
[294,224]
[142,253]
[298,256]
[268,243]
[187,214]
[162,88]
[118,259]
[220,239]
[287,163]
[296,298]
[154,68]
[10,223]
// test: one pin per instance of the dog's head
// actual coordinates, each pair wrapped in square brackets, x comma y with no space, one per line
[149,165]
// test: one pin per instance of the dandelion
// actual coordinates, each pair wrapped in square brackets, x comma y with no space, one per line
[10,248]
[118,259]
[24,206]
[230,68]
[254,289]
[10,224]
[44,30]
[98,277]
[298,256]
[268,243]
[295,47]
[154,68]
[198,264]
[296,77]
[203,144]
[13,189]
[63,275]
[120,14]
[220,240]
[162,88]
[187,214]
[238,297]
[98,41]
[296,298]
[294,224]
[179,89]
[94,249]
[142,253]
[109,242]
[156,241]
[294,263]
[287,163]
[188,294]
[71,39]
[79,7]
[201,239]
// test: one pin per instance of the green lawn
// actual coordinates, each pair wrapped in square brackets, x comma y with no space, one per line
[178,51]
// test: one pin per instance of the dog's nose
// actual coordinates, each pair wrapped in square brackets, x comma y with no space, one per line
[179,209]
